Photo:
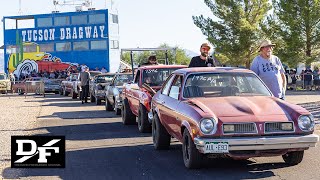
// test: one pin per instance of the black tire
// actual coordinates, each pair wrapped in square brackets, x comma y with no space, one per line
[144,125]
[65,93]
[20,92]
[293,158]
[127,116]
[192,158]
[108,105]
[98,101]
[74,95]
[118,111]
[92,98]
[61,91]
[160,137]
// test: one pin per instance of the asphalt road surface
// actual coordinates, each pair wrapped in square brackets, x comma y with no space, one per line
[99,146]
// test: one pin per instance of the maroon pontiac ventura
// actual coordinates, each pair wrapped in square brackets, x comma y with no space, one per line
[228,112]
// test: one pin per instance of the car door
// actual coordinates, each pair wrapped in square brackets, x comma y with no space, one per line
[110,89]
[134,93]
[171,108]
[161,101]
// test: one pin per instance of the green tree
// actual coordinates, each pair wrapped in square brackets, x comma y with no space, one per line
[296,25]
[235,30]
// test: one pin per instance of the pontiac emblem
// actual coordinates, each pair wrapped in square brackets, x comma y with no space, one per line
[260,127]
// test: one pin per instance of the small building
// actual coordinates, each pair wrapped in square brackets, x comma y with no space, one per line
[62,41]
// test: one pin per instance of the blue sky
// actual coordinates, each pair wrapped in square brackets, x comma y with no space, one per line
[143,23]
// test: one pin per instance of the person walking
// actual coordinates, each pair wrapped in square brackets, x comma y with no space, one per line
[204,60]
[84,82]
[269,68]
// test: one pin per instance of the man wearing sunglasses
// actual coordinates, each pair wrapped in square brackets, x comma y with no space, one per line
[204,60]
[269,68]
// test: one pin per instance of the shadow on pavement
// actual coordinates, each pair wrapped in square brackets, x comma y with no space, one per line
[143,162]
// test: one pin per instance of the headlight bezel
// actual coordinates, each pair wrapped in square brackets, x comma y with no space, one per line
[312,123]
[212,130]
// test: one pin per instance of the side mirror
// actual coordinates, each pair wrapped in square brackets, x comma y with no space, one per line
[135,86]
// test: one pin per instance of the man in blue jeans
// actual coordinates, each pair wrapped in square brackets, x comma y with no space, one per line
[269,68]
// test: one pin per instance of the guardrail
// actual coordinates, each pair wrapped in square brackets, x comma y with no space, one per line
[36,87]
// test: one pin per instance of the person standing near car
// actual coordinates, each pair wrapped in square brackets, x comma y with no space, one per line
[204,60]
[84,79]
[269,68]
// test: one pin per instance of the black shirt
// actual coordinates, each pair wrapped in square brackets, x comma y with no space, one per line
[198,62]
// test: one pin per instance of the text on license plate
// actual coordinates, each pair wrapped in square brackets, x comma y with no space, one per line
[217,147]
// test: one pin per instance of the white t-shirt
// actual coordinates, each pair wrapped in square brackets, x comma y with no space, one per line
[269,70]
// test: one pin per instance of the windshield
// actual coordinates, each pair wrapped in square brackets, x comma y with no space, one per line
[104,79]
[156,77]
[2,77]
[123,78]
[224,84]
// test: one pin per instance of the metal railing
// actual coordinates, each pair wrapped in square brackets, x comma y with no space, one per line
[36,87]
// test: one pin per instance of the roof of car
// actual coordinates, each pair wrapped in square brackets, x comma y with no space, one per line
[105,74]
[162,66]
[213,69]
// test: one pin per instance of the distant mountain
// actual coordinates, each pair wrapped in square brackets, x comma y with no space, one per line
[190,53]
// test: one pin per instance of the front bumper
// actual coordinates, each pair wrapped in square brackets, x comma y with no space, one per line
[262,143]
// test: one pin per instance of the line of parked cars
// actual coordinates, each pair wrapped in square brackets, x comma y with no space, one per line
[213,112]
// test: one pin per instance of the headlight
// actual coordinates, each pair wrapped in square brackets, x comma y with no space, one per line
[306,122]
[208,126]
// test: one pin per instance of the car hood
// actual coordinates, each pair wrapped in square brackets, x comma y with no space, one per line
[257,106]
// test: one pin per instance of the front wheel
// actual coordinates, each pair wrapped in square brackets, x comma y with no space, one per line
[293,158]
[98,101]
[108,105]
[161,138]
[192,158]
[127,116]
[144,125]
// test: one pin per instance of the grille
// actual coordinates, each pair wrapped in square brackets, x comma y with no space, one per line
[242,128]
[275,127]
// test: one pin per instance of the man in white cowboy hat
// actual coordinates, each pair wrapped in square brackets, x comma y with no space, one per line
[269,68]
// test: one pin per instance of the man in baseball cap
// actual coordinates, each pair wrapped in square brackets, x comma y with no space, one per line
[204,60]
[269,68]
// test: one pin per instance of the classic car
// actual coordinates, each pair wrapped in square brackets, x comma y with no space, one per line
[52,85]
[137,95]
[113,92]
[97,92]
[5,83]
[31,85]
[228,112]
[66,86]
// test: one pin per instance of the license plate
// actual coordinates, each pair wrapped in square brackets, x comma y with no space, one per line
[217,147]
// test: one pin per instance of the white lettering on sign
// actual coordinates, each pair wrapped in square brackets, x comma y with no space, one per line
[63,33]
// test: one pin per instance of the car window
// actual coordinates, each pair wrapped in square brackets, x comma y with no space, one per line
[122,78]
[165,89]
[224,84]
[137,80]
[2,77]
[175,88]
[156,77]
[104,79]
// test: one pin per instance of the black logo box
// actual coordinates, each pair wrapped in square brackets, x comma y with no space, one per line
[55,160]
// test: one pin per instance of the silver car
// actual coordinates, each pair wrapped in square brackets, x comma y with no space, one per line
[114,90]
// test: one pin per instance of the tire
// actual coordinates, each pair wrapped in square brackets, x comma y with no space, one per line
[98,101]
[293,158]
[143,123]
[160,137]
[74,95]
[127,116]
[61,91]
[20,92]
[65,93]
[92,98]
[108,105]
[192,158]
[118,111]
